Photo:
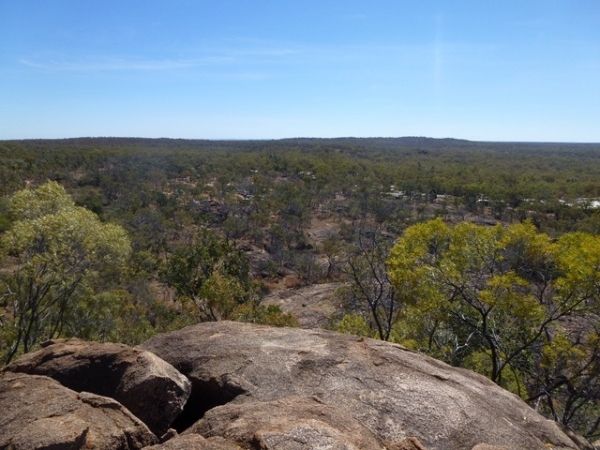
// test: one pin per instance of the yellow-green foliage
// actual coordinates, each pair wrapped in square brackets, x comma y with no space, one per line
[492,298]
[48,199]
[264,315]
[61,250]
[355,324]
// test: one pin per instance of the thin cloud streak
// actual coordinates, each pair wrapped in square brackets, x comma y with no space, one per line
[245,52]
[120,65]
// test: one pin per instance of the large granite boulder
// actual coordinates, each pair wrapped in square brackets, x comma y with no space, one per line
[394,392]
[291,423]
[149,387]
[195,442]
[38,413]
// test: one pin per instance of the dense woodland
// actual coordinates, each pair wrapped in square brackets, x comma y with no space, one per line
[137,236]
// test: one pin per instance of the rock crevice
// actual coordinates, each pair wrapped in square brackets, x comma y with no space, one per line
[229,385]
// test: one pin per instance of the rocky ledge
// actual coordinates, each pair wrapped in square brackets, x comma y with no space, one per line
[228,385]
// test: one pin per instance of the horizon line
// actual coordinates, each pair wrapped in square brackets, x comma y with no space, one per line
[494,141]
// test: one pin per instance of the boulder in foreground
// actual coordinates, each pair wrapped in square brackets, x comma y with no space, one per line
[291,423]
[39,413]
[195,442]
[393,392]
[149,387]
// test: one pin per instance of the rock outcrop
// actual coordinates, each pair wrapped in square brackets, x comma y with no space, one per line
[259,388]
[148,386]
[195,442]
[39,413]
[291,423]
[393,392]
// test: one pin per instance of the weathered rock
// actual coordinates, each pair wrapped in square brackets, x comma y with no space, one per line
[394,392]
[40,413]
[195,442]
[488,447]
[292,423]
[149,387]
[409,443]
[312,305]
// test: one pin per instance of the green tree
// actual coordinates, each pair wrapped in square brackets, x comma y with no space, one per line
[61,253]
[498,300]
[212,274]
[212,280]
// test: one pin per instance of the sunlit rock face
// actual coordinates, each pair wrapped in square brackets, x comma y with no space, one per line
[392,392]
[229,385]
[149,387]
[40,413]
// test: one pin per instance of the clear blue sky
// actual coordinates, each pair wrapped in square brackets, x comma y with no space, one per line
[510,70]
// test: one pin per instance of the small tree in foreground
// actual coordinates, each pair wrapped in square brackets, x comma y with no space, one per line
[369,289]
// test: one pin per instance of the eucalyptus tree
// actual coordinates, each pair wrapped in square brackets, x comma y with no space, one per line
[60,253]
[509,302]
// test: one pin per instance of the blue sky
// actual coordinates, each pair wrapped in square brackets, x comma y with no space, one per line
[473,69]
